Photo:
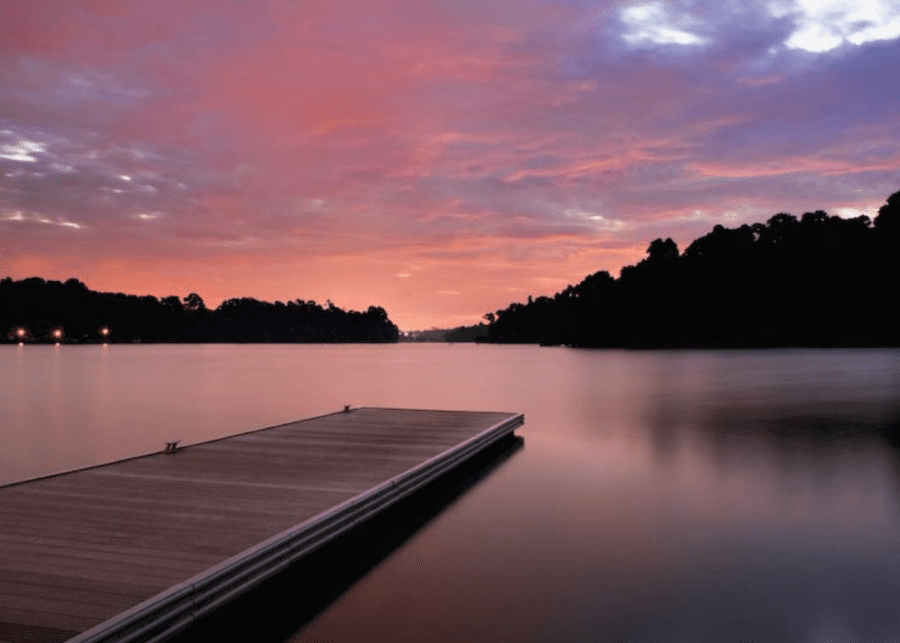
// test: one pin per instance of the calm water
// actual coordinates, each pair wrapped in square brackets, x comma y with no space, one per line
[659,496]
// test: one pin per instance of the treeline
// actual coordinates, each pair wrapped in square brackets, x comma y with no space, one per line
[35,310]
[818,280]
[467,334]
[458,334]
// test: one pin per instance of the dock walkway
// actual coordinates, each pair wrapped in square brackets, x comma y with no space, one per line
[137,549]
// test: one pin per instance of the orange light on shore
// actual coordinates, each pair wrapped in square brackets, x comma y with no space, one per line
[20,333]
[57,333]
[104,331]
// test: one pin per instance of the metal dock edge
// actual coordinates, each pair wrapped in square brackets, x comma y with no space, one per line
[169,612]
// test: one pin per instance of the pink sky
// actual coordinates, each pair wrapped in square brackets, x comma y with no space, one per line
[440,159]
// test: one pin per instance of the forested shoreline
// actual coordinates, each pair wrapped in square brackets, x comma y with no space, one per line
[818,280]
[35,310]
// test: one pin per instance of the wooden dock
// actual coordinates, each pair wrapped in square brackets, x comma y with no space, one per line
[137,550]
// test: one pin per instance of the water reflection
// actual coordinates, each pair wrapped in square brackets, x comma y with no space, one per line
[663,496]
[699,497]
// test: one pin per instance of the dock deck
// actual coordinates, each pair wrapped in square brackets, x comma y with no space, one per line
[138,549]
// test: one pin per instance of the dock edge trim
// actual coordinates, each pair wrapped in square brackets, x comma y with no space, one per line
[164,615]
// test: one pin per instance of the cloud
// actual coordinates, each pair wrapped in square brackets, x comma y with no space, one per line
[20,217]
[324,150]
[823,25]
[653,23]
[22,150]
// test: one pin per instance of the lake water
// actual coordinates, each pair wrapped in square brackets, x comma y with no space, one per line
[660,495]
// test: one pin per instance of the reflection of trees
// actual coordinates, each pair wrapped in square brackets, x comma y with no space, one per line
[38,306]
[815,441]
[815,281]
[890,435]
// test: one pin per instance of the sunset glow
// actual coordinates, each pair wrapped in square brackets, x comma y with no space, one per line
[437,159]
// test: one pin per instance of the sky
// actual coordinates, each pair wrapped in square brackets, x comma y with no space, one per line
[440,159]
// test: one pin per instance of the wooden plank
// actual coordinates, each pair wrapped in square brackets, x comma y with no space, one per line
[80,611]
[63,585]
[17,633]
[30,618]
[79,548]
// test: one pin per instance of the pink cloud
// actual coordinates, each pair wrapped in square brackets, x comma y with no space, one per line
[317,151]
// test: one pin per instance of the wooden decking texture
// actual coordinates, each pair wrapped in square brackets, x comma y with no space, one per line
[79,548]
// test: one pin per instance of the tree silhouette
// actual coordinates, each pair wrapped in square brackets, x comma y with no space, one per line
[193,303]
[888,220]
[660,250]
[38,306]
[815,281]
